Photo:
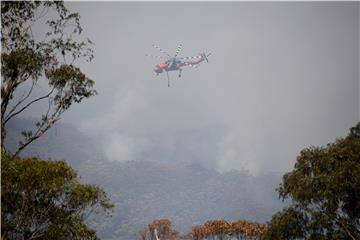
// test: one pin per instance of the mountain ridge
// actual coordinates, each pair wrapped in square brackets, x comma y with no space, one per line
[186,192]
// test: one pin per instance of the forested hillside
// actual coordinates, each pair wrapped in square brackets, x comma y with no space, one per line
[186,192]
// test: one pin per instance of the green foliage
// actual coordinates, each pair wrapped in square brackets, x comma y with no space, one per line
[355,131]
[287,224]
[25,60]
[324,187]
[44,200]
[74,85]
[21,62]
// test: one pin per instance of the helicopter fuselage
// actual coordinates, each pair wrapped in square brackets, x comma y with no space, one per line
[175,65]
[159,68]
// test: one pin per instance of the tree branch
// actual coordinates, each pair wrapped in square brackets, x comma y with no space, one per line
[41,129]
[27,105]
[23,99]
[347,230]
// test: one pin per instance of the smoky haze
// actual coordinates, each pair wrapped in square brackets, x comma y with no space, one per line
[282,76]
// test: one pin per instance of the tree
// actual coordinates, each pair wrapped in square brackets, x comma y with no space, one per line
[243,229]
[325,191]
[27,62]
[219,228]
[44,200]
[287,224]
[159,229]
[222,229]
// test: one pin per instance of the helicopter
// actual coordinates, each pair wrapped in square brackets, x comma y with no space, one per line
[174,63]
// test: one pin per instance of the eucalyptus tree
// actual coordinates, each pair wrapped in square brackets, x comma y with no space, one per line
[41,45]
[325,191]
[45,200]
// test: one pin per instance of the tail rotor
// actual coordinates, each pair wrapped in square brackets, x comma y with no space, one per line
[205,56]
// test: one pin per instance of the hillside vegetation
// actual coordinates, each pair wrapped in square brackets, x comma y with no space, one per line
[188,193]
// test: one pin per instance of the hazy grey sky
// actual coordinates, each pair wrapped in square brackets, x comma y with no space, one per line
[282,76]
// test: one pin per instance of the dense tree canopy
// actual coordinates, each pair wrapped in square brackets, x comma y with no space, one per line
[44,200]
[222,229]
[325,189]
[28,59]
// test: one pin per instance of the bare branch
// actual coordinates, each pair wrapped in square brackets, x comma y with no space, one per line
[22,98]
[27,105]
[44,126]
[347,230]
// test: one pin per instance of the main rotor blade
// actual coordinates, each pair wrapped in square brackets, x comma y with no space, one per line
[193,57]
[178,50]
[162,51]
[152,56]
[192,65]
